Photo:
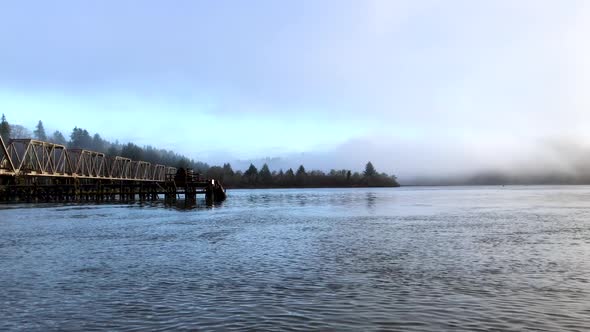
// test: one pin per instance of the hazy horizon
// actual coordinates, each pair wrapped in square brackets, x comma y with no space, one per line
[431,89]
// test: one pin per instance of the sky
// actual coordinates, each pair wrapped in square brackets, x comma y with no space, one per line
[420,88]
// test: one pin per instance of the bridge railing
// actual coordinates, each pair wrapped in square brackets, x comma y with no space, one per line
[39,158]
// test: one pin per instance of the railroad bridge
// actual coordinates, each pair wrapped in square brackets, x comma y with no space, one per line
[33,170]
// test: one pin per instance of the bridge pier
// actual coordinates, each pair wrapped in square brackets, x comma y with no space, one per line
[48,189]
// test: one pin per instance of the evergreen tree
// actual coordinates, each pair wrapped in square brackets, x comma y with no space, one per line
[58,138]
[228,175]
[150,154]
[5,129]
[280,178]
[113,151]
[265,175]
[370,170]
[289,178]
[301,170]
[251,175]
[80,139]
[251,171]
[134,152]
[98,144]
[300,176]
[182,162]
[39,132]
[227,170]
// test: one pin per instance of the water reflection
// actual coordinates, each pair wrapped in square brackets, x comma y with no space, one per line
[351,259]
[371,198]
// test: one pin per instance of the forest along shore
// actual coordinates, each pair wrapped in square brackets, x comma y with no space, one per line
[250,178]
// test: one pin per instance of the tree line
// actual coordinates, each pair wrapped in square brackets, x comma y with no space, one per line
[251,178]
[81,138]
[265,178]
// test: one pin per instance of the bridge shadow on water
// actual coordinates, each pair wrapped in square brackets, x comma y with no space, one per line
[187,205]
[177,205]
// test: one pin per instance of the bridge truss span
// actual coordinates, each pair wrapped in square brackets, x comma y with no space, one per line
[34,170]
[34,158]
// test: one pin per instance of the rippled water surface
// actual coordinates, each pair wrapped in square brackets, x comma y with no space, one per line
[424,259]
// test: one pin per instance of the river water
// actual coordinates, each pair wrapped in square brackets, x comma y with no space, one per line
[411,259]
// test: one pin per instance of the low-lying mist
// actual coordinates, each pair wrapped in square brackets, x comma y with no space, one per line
[544,161]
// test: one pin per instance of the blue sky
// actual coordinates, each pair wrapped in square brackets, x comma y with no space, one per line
[419,87]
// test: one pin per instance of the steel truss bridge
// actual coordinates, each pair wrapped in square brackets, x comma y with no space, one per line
[38,170]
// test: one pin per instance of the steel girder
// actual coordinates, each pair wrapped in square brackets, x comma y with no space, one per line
[140,170]
[88,163]
[119,167]
[39,158]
